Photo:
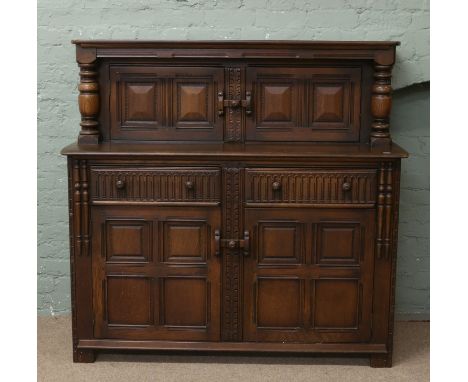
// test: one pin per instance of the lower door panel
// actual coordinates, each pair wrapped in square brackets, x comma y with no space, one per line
[308,276]
[155,273]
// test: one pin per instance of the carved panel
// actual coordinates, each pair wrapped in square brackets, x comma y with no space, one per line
[231,296]
[339,243]
[185,241]
[280,242]
[127,240]
[184,302]
[233,129]
[129,300]
[279,303]
[294,186]
[156,185]
[336,304]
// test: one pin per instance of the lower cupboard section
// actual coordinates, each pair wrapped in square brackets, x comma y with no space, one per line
[306,276]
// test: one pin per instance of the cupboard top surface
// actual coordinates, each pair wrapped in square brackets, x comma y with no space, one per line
[235,151]
[236,43]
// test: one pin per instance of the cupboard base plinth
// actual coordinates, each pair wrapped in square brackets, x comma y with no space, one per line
[381,360]
[84,356]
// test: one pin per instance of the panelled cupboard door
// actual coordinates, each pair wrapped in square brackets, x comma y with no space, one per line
[155,273]
[165,103]
[304,104]
[308,276]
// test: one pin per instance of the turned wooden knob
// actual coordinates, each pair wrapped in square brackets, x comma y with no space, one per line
[232,244]
[120,184]
[346,186]
[276,186]
[189,185]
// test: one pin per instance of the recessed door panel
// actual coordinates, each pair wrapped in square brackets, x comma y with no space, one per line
[308,275]
[185,241]
[280,242]
[129,301]
[184,302]
[338,243]
[336,304]
[127,240]
[279,303]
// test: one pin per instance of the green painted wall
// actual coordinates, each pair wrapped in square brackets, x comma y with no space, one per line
[410,129]
[60,21]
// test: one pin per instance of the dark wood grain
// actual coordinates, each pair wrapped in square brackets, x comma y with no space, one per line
[234,196]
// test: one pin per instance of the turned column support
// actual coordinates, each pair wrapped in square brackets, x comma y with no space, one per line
[381,105]
[88,99]
[384,211]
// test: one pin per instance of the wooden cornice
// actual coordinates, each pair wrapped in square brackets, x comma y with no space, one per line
[383,52]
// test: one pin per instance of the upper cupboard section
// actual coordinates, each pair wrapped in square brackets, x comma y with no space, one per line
[250,103]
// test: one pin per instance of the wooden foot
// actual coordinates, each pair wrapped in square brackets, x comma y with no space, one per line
[84,356]
[381,360]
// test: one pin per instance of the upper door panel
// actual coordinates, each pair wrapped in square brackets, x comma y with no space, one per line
[165,103]
[304,104]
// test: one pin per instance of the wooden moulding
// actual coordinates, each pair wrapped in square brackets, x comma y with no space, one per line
[233,346]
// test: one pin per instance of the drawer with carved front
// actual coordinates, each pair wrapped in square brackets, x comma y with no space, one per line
[300,187]
[161,185]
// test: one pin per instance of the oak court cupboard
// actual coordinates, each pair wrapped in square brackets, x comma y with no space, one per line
[234,196]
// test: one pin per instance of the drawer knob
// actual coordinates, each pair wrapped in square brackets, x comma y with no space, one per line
[346,186]
[232,244]
[120,184]
[189,185]
[276,186]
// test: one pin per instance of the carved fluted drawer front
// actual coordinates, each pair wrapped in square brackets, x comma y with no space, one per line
[310,187]
[155,185]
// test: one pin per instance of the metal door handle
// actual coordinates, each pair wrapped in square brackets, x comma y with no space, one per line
[217,236]
[247,103]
